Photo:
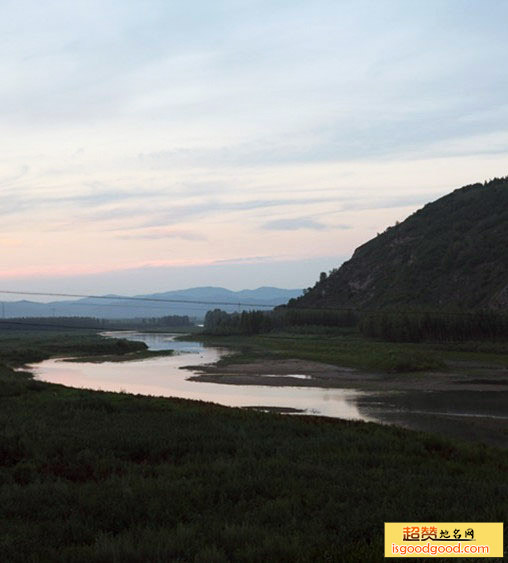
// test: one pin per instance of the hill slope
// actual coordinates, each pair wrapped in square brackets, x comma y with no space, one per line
[451,253]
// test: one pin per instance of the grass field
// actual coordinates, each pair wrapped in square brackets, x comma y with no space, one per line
[92,476]
[348,348]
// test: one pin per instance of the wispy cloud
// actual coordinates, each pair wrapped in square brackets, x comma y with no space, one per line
[388,202]
[247,260]
[162,234]
[33,197]
[293,224]
[141,215]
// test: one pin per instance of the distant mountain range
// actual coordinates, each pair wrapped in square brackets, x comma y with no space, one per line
[452,253]
[198,301]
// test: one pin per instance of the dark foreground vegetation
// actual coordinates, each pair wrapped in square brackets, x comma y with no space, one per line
[92,476]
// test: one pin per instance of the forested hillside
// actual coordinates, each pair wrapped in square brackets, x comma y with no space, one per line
[452,253]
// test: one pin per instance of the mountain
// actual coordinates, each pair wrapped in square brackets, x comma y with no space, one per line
[114,307]
[452,253]
[262,295]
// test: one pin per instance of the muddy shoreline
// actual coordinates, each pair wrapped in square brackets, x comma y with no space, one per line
[304,373]
[469,402]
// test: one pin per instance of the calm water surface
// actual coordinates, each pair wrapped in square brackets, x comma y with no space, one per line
[164,376]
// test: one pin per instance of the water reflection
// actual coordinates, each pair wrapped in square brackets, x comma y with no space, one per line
[164,376]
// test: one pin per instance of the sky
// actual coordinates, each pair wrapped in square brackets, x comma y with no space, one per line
[157,145]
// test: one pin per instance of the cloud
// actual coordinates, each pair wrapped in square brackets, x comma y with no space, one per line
[247,260]
[9,242]
[161,234]
[293,224]
[12,179]
[32,197]
[144,216]
[388,202]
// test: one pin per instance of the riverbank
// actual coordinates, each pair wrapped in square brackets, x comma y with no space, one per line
[305,373]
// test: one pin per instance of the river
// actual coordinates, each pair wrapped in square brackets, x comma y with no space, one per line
[461,410]
[165,376]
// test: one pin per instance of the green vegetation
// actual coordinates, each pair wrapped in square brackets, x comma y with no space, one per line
[347,348]
[93,476]
[451,253]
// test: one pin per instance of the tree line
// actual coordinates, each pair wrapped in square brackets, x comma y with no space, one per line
[417,326]
[390,325]
[255,322]
[52,323]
